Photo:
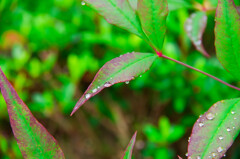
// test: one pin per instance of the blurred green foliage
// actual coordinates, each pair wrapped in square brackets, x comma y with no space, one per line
[51,49]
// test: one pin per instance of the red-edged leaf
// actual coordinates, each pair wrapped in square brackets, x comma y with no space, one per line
[153,14]
[215,131]
[33,139]
[129,149]
[121,69]
[118,12]
[227,36]
[195,26]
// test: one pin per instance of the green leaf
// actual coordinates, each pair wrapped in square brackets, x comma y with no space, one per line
[153,14]
[215,131]
[227,35]
[121,69]
[118,12]
[195,26]
[177,4]
[133,3]
[129,149]
[33,139]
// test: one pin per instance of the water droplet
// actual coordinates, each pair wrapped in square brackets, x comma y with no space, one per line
[95,90]
[224,155]
[120,55]
[201,124]
[189,139]
[235,118]
[83,3]
[213,154]
[127,82]
[220,137]
[111,78]
[233,112]
[200,116]
[98,87]
[140,76]
[210,116]
[228,129]
[199,42]
[233,127]
[107,84]
[87,96]
[219,149]
[198,157]
[186,154]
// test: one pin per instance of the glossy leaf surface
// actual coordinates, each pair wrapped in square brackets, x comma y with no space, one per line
[215,131]
[227,36]
[33,139]
[118,12]
[153,14]
[195,26]
[129,149]
[121,69]
[177,4]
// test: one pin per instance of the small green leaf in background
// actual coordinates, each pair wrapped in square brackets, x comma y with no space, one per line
[128,151]
[177,4]
[33,139]
[121,69]
[118,12]
[215,131]
[153,14]
[195,26]
[227,37]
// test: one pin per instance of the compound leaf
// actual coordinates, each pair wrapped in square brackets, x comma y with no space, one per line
[227,36]
[33,139]
[215,131]
[121,69]
[118,12]
[153,14]
[195,26]
[129,149]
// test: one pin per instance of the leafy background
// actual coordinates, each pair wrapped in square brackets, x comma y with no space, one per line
[51,49]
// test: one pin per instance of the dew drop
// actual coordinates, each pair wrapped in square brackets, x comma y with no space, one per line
[220,137]
[213,154]
[235,118]
[201,124]
[228,129]
[200,116]
[98,87]
[224,155]
[127,82]
[233,127]
[189,28]
[186,154]
[87,96]
[198,157]
[95,90]
[140,76]
[219,149]
[107,84]
[210,116]
[233,112]
[189,139]
[83,3]
[198,42]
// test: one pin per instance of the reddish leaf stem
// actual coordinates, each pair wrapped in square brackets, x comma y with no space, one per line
[211,76]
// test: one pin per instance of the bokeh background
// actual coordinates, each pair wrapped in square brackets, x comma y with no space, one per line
[50,50]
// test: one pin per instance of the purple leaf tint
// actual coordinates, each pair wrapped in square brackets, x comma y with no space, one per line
[153,14]
[119,13]
[121,69]
[195,26]
[227,36]
[129,149]
[215,131]
[33,139]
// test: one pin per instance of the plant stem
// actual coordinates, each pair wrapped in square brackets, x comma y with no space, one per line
[211,76]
